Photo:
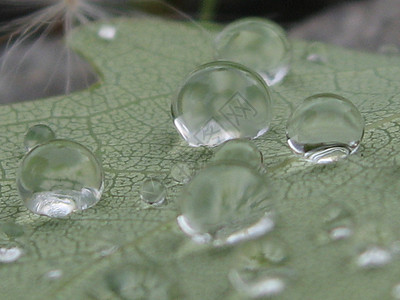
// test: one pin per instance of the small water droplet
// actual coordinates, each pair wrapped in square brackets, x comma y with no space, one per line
[181,172]
[107,32]
[373,257]
[12,229]
[316,53]
[58,178]
[38,134]
[389,49]
[258,44]
[226,204]
[53,274]
[240,150]
[325,128]
[134,281]
[153,191]
[257,283]
[9,255]
[221,101]
[396,291]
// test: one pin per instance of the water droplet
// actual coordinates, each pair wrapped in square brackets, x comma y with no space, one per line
[38,134]
[221,101]
[107,32]
[226,204]
[9,255]
[373,257]
[337,223]
[134,281]
[257,283]
[240,150]
[153,191]
[60,177]
[396,291]
[12,230]
[264,252]
[181,172]
[258,44]
[316,53]
[53,274]
[325,128]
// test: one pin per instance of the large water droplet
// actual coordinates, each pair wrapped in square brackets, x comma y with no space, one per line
[58,178]
[134,281]
[181,172]
[258,44]
[38,134]
[257,283]
[325,128]
[225,204]
[153,191]
[373,257]
[240,150]
[107,32]
[8,255]
[221,101]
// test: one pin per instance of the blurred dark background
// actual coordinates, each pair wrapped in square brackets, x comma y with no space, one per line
[367,25]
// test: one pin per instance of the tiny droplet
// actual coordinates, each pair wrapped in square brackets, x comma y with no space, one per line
[9,255]
[107,32]
[38,134]
[181,172]
[53,274]
[316,53]
[153,191]
[373,257]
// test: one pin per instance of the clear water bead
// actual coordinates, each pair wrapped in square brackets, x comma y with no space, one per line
[58,178]
[9,255]
[221,101]
[181,172]
[325,128]
[240,150]
[153,191]
[258,44]
[226,204]
[38,134]
[316,53]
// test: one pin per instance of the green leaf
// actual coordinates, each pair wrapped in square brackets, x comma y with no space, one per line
[125,120]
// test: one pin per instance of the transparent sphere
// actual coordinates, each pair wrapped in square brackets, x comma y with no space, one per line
[58,178]
[226,203]
[38,134]
[325,128]
[258,44]
[153,191]
[221,101]
[241,150]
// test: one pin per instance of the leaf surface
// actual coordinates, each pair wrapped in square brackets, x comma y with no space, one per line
[125,120]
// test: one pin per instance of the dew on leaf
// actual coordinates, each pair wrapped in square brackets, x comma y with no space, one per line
[58,178]
[258,283]
[316,53]
[107,32]
[221,101]
[241,150]
[136,281]
[9,255]
[373,257]
[53,274]
[258,44]
[38,134]
[153,191]
[325,128]
[181,172]
[226,204]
